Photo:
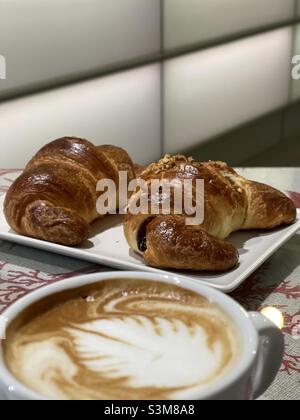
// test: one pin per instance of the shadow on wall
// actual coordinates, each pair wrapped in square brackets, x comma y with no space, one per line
[264,142]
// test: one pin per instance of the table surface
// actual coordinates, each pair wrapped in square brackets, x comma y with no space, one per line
[276,283]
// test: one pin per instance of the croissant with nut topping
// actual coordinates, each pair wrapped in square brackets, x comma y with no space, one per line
[231,203]
[55,198]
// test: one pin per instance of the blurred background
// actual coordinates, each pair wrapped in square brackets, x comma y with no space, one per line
[211,78]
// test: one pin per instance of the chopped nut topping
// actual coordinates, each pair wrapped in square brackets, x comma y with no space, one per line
[167,163]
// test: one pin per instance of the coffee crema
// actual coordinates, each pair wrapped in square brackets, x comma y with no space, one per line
[122,339]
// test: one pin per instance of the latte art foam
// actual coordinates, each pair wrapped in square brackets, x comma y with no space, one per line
[122,339]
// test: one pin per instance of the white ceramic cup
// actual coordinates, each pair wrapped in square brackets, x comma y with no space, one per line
[259,363]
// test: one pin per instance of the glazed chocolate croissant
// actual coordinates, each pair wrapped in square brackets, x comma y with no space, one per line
[55,198]
[231,203]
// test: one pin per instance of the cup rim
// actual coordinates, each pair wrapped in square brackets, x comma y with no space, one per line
[241,317]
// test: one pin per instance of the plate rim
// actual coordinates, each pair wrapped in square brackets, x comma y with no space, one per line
[112,262]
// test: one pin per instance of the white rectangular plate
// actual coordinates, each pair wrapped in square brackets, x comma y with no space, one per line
[108,246]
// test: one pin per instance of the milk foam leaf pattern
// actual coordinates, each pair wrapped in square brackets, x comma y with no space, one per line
[142,350]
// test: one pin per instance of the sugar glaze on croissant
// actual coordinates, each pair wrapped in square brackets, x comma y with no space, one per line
[232,203]
[55,197]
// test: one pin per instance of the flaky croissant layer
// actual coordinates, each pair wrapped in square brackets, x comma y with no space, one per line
[231,203]
[55,198]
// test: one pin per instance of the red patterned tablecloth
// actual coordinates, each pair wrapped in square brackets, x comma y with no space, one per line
[276,283]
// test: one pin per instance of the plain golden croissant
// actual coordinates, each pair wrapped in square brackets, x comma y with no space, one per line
[231,203]
[55,197]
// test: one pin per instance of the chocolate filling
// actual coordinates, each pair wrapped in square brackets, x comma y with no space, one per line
[142,235]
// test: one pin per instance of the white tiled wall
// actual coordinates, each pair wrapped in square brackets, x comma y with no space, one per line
[123,109]
[209,92]
[43,40]
[205,94]
[193,21]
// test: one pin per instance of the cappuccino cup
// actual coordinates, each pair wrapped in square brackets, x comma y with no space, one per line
[139,336]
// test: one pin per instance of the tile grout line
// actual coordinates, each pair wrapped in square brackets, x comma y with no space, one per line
[162,79]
